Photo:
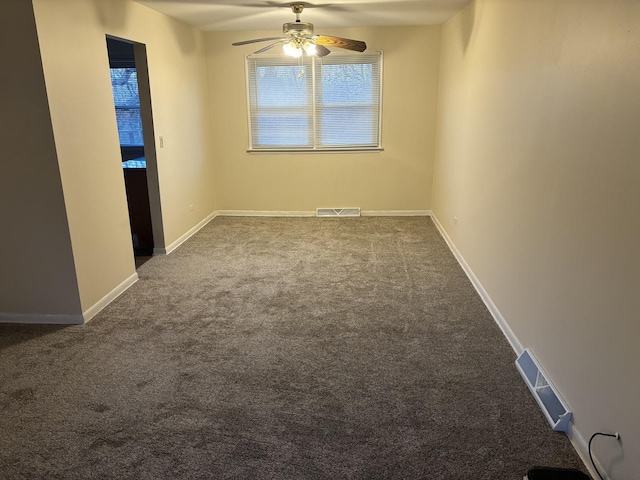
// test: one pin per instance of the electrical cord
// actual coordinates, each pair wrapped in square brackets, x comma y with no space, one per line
[614,435]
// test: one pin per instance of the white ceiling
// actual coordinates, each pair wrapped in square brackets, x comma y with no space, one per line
[268,15]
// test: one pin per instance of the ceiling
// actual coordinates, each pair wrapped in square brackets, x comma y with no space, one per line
[267,15]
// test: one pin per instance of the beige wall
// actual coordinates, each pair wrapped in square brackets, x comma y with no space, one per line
[36,263]
[74,55]
[396,179]
[538,156]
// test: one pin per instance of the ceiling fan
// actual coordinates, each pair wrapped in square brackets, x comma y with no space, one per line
[299,38]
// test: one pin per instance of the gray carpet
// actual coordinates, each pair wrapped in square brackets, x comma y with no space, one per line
[278,348]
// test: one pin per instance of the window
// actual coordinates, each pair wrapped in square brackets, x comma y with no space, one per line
[124,82]
[314,103]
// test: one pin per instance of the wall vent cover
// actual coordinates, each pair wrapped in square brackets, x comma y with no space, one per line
[337,212]
[553,407]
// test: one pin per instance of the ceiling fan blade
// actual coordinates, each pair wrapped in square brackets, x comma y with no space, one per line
[347,43]
[264,49]
[322,51]
[255,40]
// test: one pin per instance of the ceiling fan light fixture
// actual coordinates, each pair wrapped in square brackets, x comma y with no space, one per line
[292,49]
[309,48]
[300,39]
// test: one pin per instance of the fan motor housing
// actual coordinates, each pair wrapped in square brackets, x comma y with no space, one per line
[298,28]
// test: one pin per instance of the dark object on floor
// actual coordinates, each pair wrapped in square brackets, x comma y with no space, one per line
[548,473]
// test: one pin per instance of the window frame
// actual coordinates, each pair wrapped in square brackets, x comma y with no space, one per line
[315,108]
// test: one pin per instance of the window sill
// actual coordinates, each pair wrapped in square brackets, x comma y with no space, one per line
[314,151]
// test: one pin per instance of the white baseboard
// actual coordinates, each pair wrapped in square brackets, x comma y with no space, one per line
[495,313]
[108,298]
[312,213]
[75,319]
[396,213]
[265,213]
[41,319]
[581,446]
[183,238]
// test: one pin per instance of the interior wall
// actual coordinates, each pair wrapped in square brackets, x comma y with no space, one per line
[36,262]
[537,157]
[74,54]
[394,179]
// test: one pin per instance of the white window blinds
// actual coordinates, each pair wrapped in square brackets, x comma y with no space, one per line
[313,103]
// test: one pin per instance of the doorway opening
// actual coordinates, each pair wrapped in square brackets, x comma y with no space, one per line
[132,100]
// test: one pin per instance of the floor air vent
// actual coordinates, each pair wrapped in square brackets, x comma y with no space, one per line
[545,394]
[337,212]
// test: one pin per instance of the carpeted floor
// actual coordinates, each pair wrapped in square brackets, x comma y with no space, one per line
[278,348]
